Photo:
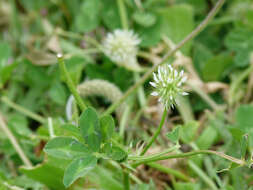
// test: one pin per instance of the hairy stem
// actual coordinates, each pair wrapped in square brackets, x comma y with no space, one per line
[70,83]
[193,34]
[152,140]
[188,154]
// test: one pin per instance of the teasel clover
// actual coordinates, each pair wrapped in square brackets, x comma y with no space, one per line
[121,46]
[168,85]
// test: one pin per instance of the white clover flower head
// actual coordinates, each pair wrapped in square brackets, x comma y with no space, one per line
[121,47]
[168,83]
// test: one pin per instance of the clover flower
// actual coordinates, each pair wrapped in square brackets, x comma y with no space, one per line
[121,47]
[168,83]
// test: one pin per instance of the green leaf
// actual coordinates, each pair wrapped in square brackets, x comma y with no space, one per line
[72,131]
[5,68]
[207,138]
[90,128]
[58,93]
[144,18]
[244,145]
[188,131]
[66,148]
[110,14]
[244,116]
[187,186]
[78,168]
[47,174]
[89,16]
[174,135]
[114,152]
[176,23]
[240,40]
[107,127]
[214,68]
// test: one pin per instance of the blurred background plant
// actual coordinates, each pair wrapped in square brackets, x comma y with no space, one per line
[216,115]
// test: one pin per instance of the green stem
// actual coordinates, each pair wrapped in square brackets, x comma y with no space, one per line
[78,36]
[188,154]
[126,180]
[123,14]
[123,121]
[70,83]
[154,156]
[193,34]
[23,110]
[204,96]
[141,93]
[169,171]
[50,128]
[202,175]
[156,133]
[237,83]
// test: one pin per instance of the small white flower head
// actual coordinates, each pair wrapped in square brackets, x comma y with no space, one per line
[168,83]
[121,47]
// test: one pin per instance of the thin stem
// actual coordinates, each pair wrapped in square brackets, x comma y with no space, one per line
[188,154]
[78,36]
[237,83]
[141,93]
[169,171]
[123,120]
[123,14]
[14,143]
[202,175]
[126,180]
[193,34]
[154,156]
[204,96]
[156,133]
[70,83]
[23,110]
[50,127]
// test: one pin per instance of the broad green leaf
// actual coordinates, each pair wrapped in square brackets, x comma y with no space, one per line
[240,40]
[114,152]
[47,174]
[244,145]
[107,127]
[71,128]
[66,148]
[5,67]
[58,93]
[104,178]
[176,23]
[90,128]
[78,168]
[186,186]
[145,19]
[88,17]
[149,36]
[19,125]
[188,131]
[207,138]
[110,14]
[214,68]
[201,54]
[174,135]
[244,116]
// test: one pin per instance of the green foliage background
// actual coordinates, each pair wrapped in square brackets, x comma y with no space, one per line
[31,34]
